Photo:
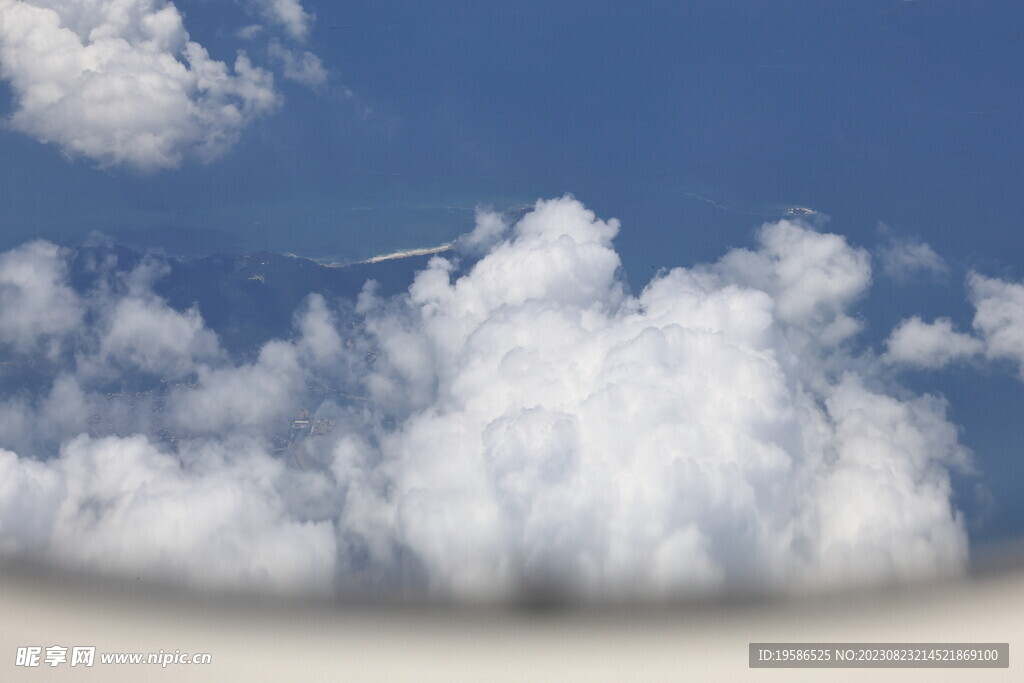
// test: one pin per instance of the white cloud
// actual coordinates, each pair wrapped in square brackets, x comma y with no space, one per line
[218,512]
[247,396]
[490,227]
[998,325]
[556,429]
[884,505]
[120,82]
[289,14]
[813,278]
[37,307]
[30,496]
[318,332]
[136,331]
[155,338]
[120,504]
[999,316]
[249,31]
[521,420]
[904,259]
[929,345]
[302,67]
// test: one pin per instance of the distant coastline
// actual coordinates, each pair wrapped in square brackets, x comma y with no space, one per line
[402,253]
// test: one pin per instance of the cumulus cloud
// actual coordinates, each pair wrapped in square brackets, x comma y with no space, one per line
[930,345]
[121,504]
[664,441]
[813,278]
[246,396]
[998,329]
[515,418]
[489,229]
[154,338]
[137,330]
[37,307]
[999,316]
[121,82]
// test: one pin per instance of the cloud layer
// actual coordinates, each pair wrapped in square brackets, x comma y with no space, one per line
[516,419]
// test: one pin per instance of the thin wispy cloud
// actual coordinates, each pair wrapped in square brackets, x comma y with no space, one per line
[904,259]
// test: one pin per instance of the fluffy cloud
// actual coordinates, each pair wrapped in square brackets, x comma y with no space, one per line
[154,338]
[515,419]
[999,316]
[121,83]
[556,429]
[929,345]
[812,278]
[237,397]
[121,504]
[998,326]
[37,307]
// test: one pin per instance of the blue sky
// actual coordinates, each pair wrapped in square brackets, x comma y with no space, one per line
[691,122]
[902,112]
